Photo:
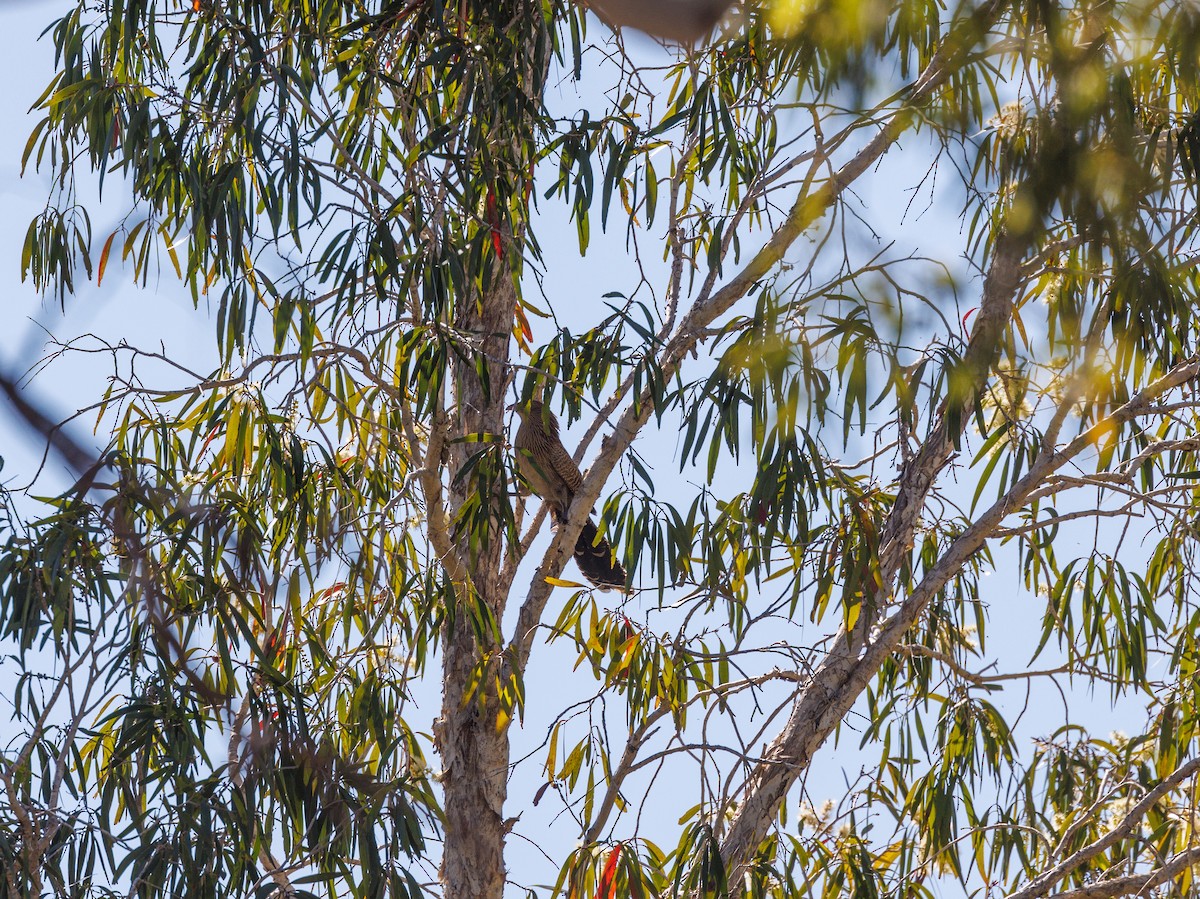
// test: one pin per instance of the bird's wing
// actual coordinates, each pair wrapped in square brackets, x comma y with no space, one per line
[560,461]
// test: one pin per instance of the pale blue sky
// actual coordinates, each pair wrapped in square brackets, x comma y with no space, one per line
[161,313]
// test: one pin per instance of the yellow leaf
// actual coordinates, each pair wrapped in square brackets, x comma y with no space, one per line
[168,240]
[853,610]
[559,582]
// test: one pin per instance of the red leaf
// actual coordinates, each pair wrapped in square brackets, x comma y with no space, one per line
[493,220]
[211,436]
[607,889]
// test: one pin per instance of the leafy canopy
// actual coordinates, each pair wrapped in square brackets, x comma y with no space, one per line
[905,295]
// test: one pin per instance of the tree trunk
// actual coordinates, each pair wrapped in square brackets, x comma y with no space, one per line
[475,778]
[474,750]
[473,741]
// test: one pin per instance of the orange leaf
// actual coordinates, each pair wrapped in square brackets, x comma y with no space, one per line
[104,257]
[523,324]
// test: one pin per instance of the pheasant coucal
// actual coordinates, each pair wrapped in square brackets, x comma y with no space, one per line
[553,475]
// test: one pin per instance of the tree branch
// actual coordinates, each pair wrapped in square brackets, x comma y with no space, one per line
[806,209]
[682,21]
[1041,884]
[1135,883]
[843,674]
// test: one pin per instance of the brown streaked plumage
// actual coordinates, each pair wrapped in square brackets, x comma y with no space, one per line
[553,475]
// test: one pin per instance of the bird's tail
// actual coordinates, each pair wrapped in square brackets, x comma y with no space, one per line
[595,559]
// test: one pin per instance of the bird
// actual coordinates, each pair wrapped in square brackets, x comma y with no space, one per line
[552,474]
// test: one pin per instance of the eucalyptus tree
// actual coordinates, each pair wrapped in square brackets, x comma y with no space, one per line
[299,629]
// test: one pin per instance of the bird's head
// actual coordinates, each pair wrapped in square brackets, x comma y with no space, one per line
[536,411]
[528,409]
